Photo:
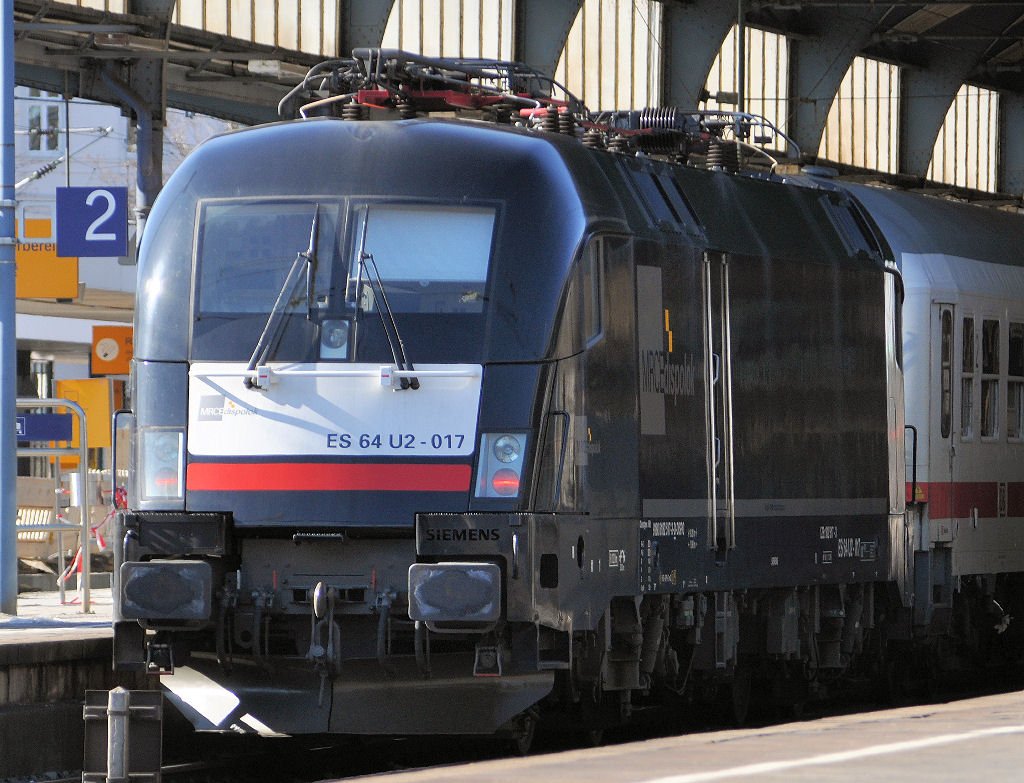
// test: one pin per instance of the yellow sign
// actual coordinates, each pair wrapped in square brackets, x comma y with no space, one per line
[112,349]
[37,228]
[42,274]
[99,398]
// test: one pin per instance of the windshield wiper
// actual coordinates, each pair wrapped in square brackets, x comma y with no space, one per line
[305,261]
[387,317]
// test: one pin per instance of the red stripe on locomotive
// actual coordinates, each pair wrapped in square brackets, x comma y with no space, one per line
[318,476]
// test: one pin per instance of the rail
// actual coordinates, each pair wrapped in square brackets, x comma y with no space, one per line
[83,473]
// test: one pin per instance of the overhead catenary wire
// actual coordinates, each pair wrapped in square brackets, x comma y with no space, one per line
[51,166]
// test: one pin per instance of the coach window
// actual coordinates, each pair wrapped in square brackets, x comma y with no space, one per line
[989,378]
[946,370]
[967,380]
[1015,385]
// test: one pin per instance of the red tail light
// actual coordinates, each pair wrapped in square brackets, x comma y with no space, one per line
[505,482]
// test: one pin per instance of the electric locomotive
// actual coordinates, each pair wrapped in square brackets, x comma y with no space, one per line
[443,425]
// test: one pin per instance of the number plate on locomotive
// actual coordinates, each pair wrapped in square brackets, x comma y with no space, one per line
[309,411]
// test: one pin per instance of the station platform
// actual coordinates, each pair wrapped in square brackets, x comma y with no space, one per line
[50,655]
[968,740]
[42,619]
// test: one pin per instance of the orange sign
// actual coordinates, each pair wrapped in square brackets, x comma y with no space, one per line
[112,350]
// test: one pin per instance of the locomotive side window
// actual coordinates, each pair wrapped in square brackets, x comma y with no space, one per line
[989,378]
[946,380]
[592,272]
[1015,386]
[967,380]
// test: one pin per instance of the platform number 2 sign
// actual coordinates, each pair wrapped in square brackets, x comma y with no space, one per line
[92,222]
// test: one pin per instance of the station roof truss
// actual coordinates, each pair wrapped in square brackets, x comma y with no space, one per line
[939,46]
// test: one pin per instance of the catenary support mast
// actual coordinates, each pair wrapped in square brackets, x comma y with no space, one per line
[8,373]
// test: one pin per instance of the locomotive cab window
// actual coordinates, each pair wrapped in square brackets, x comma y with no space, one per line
[342,277]
[245,249]
[427,259]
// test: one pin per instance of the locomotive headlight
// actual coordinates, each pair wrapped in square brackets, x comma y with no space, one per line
[166,590]
[500,466]
[507,448]
[455,592]
[334,334]
[162,457]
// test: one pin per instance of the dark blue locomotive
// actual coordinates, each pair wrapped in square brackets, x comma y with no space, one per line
[444,425]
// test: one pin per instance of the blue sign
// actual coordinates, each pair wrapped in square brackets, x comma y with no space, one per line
[92,222]
[43,426]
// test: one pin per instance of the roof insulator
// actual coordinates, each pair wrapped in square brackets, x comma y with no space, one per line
[567,124]
[618,143]
[353,111]
[550,122]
